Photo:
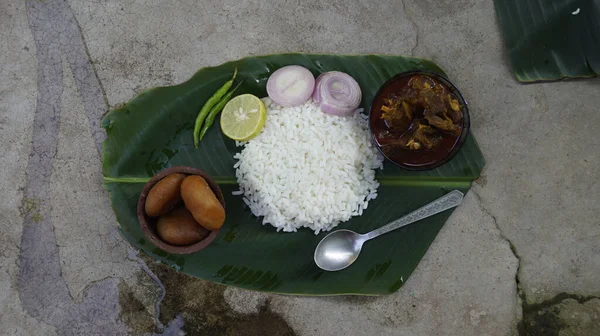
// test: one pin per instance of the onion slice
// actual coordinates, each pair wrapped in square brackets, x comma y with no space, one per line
[291,85]
[337,93]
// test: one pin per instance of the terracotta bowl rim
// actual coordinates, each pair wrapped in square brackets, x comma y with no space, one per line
[150,233]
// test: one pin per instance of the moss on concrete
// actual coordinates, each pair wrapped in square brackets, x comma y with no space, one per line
[133,313]
[552,317]
[205,312]
[201,305]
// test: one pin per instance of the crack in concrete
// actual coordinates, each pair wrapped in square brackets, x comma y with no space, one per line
[520,292]
[560,298]
[415,26]
[529,310]
[93,68]
[42,289]
[132,255]
[512,246]
[536,318]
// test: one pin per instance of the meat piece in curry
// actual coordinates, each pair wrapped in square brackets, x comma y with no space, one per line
[424,112]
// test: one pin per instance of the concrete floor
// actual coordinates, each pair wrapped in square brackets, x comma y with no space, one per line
[522,254]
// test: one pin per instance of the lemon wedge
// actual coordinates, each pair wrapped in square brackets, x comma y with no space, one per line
[243,117]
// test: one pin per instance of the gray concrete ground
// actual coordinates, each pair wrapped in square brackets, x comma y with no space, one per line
[522,255]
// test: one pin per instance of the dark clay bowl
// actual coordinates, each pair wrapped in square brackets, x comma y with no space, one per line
[429,160]
[148,224]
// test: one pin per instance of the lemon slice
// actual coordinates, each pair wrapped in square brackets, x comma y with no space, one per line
[243,117]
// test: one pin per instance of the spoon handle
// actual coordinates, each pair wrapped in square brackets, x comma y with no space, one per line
[448,201]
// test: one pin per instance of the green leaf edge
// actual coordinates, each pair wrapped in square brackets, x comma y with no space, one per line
[523,76]
[457,182]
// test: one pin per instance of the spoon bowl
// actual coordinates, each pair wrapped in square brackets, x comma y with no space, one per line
[341,248]
[338,250]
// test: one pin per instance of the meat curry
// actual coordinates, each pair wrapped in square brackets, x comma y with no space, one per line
[417,120]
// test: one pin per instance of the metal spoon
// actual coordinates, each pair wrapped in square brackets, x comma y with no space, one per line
[341,248]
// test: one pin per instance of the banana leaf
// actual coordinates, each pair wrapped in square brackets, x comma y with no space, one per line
[153,131]
[551,39]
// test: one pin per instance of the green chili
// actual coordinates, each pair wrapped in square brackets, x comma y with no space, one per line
[214,99]
[216,109]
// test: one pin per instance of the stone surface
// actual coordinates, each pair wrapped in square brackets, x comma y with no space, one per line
[65,270]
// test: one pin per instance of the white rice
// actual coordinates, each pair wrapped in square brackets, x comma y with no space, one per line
[308,168]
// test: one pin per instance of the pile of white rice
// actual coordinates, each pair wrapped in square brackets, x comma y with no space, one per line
[308,168]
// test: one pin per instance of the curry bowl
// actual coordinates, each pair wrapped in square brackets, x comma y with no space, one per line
[419,120]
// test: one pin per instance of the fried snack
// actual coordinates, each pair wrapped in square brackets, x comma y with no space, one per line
[179,228]
[164,195]
[202,202]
